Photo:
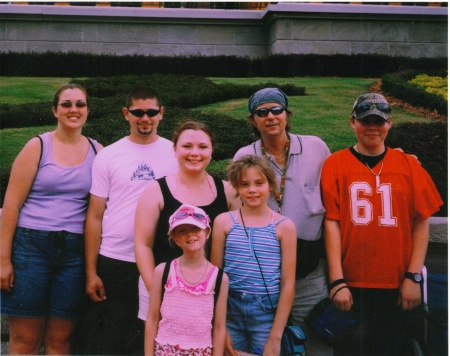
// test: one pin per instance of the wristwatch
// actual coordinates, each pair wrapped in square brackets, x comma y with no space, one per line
[415,277]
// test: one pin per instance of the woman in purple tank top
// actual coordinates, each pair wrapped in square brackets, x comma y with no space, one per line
[42,258]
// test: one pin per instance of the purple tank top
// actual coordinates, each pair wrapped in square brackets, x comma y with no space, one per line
[58,198]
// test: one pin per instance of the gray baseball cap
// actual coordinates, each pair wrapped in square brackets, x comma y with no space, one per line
[371,104]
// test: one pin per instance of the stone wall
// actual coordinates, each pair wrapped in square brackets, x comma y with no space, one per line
[284,28]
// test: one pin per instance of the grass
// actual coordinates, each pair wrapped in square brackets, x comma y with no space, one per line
[12,141]
[16,90]
[323,112]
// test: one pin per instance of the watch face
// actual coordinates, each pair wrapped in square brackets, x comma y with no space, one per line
[417,277]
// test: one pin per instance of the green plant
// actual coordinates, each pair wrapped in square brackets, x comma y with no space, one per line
[428,141]
[320,112]
[398,85]
[432,84]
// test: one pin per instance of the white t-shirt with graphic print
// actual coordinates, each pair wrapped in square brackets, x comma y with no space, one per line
[120,173]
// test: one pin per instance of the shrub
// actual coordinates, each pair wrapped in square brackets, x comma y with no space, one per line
[26,115]
[108,96]
[396,84]
[231,134]
[75,64]
[432,84]
[428,141]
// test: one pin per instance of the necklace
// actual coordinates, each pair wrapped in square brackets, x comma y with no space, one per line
[187,280]
[377,175]
[279,194]
[207,180]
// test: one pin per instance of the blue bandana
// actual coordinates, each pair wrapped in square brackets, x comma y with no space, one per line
[267,95]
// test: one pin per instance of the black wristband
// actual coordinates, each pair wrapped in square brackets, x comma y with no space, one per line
[336,282]
[332,298]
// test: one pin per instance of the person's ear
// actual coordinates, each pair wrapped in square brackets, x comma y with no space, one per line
[352,121]
[125,112]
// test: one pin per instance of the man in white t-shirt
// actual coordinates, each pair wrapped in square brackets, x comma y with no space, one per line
[120,173]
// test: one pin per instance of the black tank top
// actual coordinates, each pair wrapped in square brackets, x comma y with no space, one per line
[162,250]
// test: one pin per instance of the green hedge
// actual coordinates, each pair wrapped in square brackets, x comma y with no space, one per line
[108,96]
[74,64]
[230,133]
[397,85]
[428,141]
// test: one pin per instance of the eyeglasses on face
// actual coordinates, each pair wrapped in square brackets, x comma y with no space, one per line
[364,106]
[78,104]
[184,214]
[263,112]
[141,113]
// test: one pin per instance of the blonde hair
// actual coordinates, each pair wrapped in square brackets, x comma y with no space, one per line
[237,170]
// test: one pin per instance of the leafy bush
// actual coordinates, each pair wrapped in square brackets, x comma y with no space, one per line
[432,84]
[26,115]
[108,96]
[230,133]
[75,64]
[428,141]
[398,85]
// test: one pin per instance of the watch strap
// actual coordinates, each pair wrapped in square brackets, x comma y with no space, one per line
[415,277]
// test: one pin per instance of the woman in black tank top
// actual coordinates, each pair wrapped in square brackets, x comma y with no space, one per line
[193,145]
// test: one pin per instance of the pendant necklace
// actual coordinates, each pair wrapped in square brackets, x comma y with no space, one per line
[377,175]
[187,280]
[279,194]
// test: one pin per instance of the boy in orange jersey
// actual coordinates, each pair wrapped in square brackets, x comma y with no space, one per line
[378,201]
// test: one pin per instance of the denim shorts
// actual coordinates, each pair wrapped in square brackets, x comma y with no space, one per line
[249,320]
[49,275]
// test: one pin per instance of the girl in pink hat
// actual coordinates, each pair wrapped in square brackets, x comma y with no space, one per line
[187,312]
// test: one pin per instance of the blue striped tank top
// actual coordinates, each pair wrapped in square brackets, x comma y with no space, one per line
[240,263]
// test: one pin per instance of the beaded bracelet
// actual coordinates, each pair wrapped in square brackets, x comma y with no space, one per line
[336,282]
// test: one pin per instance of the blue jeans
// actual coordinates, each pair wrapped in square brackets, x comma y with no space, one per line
[49,277]
[249,320]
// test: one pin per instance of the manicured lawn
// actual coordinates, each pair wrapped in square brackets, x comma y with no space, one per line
[15,90]
[323,112]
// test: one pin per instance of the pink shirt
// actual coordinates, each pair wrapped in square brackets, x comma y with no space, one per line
[187,311]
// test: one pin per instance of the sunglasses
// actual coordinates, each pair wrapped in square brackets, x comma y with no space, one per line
[364,106]
[78,104]
[263,112]
[184,214]
[141,113]
[372,121]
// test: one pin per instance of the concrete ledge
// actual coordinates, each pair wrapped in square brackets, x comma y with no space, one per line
[439,230]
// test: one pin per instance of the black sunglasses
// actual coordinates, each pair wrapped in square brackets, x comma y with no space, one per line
[364,106]
[141,113]
[78,104]
[263,112]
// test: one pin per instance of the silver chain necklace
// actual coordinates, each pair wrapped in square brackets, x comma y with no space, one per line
[377,175]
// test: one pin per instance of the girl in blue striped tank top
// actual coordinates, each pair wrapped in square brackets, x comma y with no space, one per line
[255,245]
